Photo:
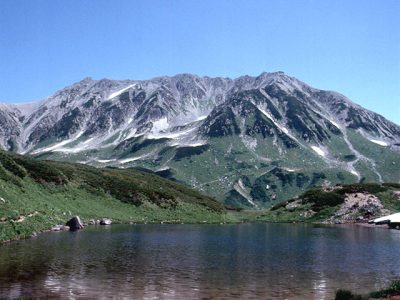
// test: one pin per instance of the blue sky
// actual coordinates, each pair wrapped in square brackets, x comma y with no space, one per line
[352,47]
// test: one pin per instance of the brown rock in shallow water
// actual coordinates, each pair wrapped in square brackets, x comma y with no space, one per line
[75,224]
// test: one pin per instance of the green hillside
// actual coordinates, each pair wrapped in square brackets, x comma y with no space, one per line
[35,195]
[352,203]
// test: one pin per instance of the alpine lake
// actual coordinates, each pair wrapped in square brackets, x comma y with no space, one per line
[165,261]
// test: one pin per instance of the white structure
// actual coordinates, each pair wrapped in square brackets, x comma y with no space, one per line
[390,219]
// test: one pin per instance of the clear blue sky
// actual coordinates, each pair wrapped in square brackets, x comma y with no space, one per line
[352,47]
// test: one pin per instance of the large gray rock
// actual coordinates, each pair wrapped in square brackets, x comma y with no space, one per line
[75,224]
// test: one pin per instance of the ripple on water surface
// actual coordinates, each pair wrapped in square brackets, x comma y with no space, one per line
[274,261]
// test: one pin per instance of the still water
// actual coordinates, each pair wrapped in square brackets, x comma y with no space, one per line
[251,261]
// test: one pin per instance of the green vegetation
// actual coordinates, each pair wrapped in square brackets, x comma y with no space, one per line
[35,195]
[346,295]
[276,170]
[318,204]
[392,290]
[386,160]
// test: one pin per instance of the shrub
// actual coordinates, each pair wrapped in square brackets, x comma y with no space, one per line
[392,185]
[320,199]
[10,165]
[42,172]
[346,295]
[394,289]
[372,188]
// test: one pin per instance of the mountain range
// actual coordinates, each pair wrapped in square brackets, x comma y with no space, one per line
[249,142]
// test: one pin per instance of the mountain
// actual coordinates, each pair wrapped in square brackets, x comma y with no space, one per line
[36,195]
[249,141]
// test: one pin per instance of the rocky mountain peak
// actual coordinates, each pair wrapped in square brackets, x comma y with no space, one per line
[261,130]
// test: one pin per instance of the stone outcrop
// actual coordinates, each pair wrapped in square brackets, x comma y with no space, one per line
[358,207]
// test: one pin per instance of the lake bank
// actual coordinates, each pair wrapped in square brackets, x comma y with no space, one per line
[37,223]
[121,213]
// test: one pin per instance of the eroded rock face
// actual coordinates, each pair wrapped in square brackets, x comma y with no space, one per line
[75,224]
[358,207]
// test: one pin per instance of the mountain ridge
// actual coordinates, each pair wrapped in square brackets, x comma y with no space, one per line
[188,124]
[38,102]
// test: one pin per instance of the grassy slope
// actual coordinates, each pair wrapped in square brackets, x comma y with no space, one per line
[326,203]
[34,195]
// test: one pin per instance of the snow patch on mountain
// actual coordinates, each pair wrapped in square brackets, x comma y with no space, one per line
[165,168]
[285,130]
[169,135]
[104,161]
[201,118]
[129,133]
[381,143]
[131,159]
[85,145]
[189,144]
[160,125]
[354,173]
[334,123]
[58,145]
[269,116]
[119,92]
[318,150]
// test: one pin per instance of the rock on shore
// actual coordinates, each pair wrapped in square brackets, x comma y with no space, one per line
[75,223]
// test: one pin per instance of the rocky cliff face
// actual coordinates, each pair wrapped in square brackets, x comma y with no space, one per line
[250,141]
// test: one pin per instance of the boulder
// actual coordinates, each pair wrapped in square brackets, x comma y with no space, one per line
[75,224]
[105,222]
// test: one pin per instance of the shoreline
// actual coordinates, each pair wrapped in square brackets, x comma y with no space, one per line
[178,222]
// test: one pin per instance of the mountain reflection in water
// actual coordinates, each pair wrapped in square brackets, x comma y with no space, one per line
[273,261]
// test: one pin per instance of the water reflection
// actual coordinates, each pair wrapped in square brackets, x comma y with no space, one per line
[274,261]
